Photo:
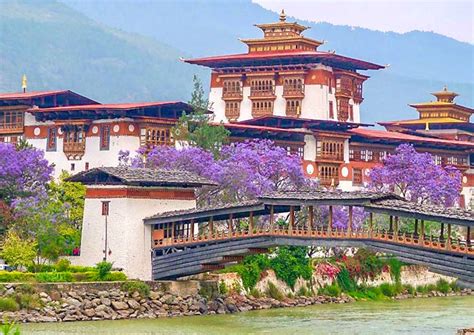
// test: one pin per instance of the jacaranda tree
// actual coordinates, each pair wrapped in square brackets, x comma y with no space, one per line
[416,177]
[243,170]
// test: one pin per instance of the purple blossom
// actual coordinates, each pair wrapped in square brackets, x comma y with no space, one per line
[244,170]
[416,177]
[24,175]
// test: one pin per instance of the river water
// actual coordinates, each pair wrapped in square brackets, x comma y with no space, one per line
[413,316]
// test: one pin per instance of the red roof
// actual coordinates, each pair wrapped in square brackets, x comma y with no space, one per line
[395,136]
[28,95]
[122,106]
[40,94]
[228,60]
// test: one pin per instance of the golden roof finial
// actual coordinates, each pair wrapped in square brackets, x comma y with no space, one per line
[24,82]
[282,16]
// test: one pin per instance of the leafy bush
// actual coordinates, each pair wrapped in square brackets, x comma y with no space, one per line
[454,286]
[346,283]
[388,290]
[63,265]
[25,288]
[16,277]
[103,269]
[116,276]
[443,286]
[274,292]
[78,268]
[9,328]
[290,263]
[53,277]
[255,293]
[84,276]
[331,290]
[430,287]
[136,286]
[28,301]
[223,288]
[395,269]
[8,304]
[303,292]
[409,289]
[370,265]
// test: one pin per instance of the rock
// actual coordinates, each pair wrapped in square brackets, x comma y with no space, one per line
[73,302]
[119,305]
[43,295]
[46,319]
[203,308]
[89,312]
[154,295]
[133,304]
[105,301]
[70,318]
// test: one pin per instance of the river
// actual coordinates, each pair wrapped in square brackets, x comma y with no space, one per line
[413,316]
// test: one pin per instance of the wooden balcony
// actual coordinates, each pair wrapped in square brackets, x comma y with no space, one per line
[329,181]
[74,150]
[344,90]
[267,94]
[293,92]
[330,156]
[232,95]
[11,128]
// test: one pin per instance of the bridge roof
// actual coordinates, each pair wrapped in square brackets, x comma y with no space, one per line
[139,177]
[281,202]
[398,207]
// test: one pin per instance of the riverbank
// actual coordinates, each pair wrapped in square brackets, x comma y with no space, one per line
[138,300]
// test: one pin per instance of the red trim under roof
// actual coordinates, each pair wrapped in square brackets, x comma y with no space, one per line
[395,136]
[223,60]
[122,106]
[302,122]
[39,94]
[263,128]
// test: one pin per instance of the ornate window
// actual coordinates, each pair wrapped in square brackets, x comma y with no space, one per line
[330,150]
[152,136]
[51,141]
[232,110]
[293,107]
[262,107]
[104,137]
[342,109]
[232,89]
[331,110]
[74,144]
[11,121]
[293,86]
[328,174]
[357,178]
[262,88]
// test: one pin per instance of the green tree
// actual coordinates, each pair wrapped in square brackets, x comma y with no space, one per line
[195,128]
[18,251]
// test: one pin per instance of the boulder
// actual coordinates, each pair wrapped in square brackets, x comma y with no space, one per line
[119,305]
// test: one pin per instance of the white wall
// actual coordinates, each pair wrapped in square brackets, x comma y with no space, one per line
[93,155]
[315,103]
[279,105]
[129,239]
[217,104]
[309,148]
[245,105]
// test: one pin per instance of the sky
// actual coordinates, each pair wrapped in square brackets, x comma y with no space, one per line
[453,18]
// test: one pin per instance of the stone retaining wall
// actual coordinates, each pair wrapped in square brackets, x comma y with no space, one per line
[107,301]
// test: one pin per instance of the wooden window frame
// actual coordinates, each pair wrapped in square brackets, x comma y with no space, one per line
[104,137]
[52,139]
[156,136]
[7,125]
[357,177]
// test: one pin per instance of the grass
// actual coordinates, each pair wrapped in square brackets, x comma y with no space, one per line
[274,292]
[136,286]
[8,304]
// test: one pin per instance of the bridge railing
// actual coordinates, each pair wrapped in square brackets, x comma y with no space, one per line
[408,239]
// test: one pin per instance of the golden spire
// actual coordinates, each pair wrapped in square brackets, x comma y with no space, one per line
[24,82]
[282,16]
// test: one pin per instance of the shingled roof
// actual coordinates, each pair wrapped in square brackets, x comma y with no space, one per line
[335,197]
[140,177]
[405,208]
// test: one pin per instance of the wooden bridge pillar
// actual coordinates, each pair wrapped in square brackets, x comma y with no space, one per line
[311,218]
[468,236]
[330,219]
[441,233]
[251,223]
[416,227]
[371,223]
[422,229]
[192,228]
[449,235]
[396,227]
[390,228]
[172,231]
[292,220]
[231,224]
[211,227]
[349,224]
[272,213]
